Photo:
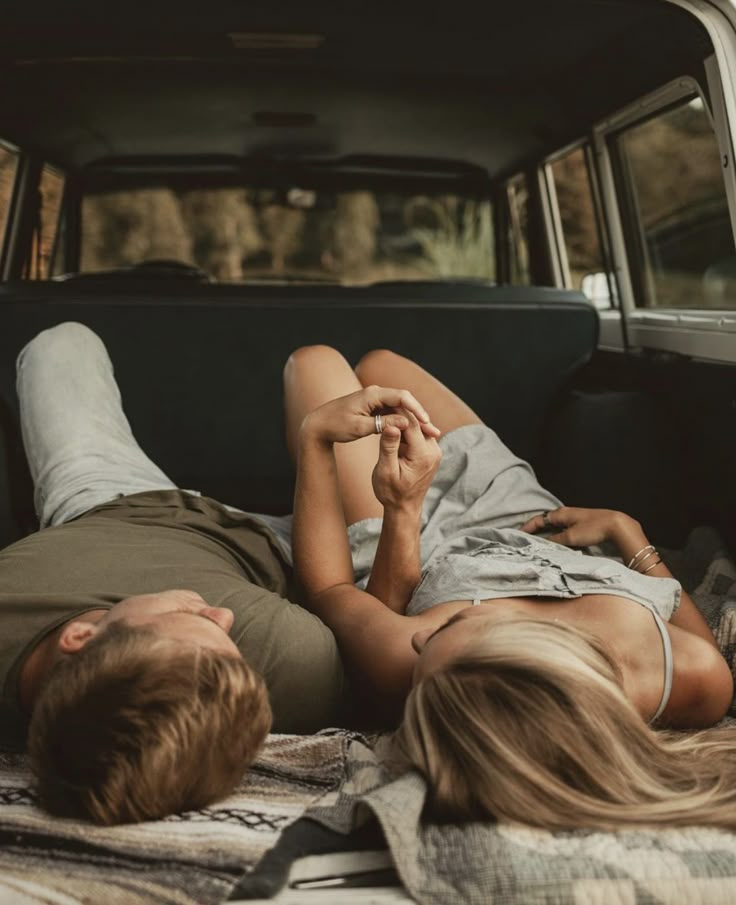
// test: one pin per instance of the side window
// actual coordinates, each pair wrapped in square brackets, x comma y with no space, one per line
[517,203]
[8,171]
[677,209]
[580,227]
[51,190]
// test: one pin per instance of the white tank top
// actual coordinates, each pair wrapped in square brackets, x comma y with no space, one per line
[668,661]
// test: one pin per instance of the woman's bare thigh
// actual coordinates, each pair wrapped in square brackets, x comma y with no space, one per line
[314,375]
[385,368]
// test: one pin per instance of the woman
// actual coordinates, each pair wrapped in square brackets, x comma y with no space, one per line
[535,668]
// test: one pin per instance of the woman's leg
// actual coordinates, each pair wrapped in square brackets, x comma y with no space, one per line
[385,368]
[495,486]
[313,375]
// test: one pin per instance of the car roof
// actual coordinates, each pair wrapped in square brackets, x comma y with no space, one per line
[488,83]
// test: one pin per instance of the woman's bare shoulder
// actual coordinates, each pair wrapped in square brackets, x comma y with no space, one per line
[702,682]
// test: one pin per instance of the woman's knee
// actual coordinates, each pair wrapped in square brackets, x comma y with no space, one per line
[308,357]
[376,363]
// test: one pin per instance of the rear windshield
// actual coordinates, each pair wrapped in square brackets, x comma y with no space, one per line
[244,234]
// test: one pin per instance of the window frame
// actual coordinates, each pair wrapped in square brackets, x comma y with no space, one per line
[624,214]
[556,249]
[16,246]
[558,245]
[8,228]
[702,333]
[62,174]
[611,325]
[506,228]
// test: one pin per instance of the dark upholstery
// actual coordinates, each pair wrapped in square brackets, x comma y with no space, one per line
[200,369]
[617,450]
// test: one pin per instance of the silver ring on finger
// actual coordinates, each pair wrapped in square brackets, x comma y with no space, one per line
[545,520]
[379,424]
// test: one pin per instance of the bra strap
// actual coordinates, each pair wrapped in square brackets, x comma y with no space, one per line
[668,666]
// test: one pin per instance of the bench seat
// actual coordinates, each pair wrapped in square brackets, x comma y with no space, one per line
[200,367]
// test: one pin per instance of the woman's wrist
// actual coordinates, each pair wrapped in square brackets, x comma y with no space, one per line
[628,536]
[311,432]
[402,511]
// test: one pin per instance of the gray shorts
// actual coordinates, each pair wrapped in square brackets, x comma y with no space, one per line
[480,483]
[80,448]
[471,545]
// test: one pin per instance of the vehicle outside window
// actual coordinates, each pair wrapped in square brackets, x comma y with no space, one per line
[580,226]
[51,190]
[241,234]
[517,209]
[8,171]
[671,169]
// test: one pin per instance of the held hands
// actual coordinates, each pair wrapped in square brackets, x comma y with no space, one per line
[409,454]
[583,527]
[407,462]
[352,417]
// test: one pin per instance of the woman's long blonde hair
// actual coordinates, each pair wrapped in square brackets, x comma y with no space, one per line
[531,724]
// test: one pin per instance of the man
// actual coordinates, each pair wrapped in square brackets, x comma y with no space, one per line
[138,699]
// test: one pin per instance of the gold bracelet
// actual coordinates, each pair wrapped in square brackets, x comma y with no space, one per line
[649,569]
[652,552]
[637,555]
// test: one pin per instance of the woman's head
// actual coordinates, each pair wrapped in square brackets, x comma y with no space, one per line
[526,720]
[449,640]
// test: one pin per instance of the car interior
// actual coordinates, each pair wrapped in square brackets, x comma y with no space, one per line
[535,201]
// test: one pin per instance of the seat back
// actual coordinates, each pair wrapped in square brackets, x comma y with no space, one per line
[200,373]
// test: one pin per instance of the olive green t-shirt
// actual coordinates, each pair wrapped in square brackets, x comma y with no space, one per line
[155,542]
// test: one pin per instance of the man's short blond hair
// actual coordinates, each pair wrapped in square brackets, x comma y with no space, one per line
[135,727]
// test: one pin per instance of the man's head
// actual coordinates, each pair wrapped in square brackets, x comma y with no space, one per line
[147,711]
[182,616]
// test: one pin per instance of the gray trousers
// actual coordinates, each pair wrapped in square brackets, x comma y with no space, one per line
[80,448]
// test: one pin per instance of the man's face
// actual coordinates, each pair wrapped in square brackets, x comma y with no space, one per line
[178,615]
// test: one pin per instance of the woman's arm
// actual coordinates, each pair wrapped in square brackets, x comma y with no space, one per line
[584,527]
[397,566]
[324,568]
[375,642]
[321,550]
[702,687]
[627,534]
[401,478]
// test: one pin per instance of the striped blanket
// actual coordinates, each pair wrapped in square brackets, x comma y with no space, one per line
[339,780]
[506,864]
[194,858]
